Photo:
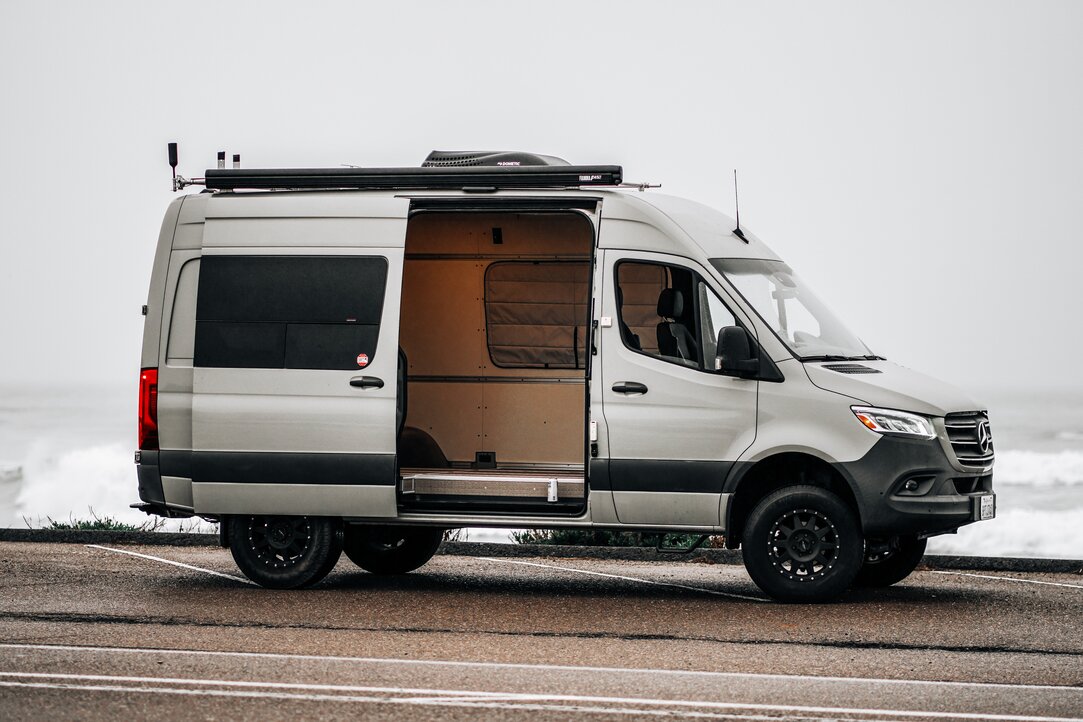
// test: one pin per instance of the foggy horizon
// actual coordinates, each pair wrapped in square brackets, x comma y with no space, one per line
[918,165]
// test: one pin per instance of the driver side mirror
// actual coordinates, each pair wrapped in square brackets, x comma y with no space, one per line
[735,352]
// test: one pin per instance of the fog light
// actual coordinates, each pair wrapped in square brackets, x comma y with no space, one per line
[911,485]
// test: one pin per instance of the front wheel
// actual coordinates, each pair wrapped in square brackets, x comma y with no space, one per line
[884,568]
[285,552]
[391,549]
[802,544]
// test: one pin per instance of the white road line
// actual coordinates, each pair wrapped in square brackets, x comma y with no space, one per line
[627,579]
[1011,579]
[234,694]
[534,667]
[449,697]
[170,561]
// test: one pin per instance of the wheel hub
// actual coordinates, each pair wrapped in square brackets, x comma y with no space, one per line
[280,541]
[803,544]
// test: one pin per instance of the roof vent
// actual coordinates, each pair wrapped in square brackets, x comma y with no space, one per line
[851,369]
[504,159]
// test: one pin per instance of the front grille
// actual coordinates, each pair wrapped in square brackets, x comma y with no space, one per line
[965,432]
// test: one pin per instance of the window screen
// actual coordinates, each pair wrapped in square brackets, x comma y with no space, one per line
[299,312]
[536,312]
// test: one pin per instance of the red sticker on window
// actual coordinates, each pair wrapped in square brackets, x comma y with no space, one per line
[362,360]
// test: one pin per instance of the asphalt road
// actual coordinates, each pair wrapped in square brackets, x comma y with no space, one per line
[93,633]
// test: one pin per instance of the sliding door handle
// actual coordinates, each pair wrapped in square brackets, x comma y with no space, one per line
[366,382]
[629,387]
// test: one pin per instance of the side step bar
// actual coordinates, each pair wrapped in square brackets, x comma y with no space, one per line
[520,484]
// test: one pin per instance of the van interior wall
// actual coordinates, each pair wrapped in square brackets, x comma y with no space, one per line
[528,405]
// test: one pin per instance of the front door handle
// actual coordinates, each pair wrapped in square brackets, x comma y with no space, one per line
[629,387]
[366,382]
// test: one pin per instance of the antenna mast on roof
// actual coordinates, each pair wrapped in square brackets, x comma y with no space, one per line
[737,206]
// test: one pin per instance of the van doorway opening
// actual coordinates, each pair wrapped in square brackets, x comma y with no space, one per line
[494,355]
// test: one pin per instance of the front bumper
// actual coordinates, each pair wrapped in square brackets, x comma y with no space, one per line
[943,499]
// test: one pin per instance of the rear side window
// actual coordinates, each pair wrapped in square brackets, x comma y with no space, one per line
[294,312]
[536,313]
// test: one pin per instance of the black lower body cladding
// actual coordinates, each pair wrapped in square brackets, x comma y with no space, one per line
[936,506]
[150,478]
[280,467]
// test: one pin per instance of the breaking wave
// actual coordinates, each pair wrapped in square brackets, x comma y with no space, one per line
[1017,533]
[72,483]
[1039,468]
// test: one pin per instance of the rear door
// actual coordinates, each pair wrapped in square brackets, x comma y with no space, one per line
[295,364]
[675,425]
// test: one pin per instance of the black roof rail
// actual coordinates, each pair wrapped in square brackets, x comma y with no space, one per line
[478,178]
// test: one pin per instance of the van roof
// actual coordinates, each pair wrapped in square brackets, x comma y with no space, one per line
[679,218]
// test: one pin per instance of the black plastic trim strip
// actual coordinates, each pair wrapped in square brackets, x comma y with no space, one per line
[572,176]
[281,467]
[665,475]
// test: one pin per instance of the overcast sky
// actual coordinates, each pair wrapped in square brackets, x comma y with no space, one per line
[921,164]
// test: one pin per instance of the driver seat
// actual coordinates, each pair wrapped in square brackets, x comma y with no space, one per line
[674,338]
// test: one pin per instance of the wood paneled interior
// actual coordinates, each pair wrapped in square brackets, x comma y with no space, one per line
[443,334]
[526,423]
[538,235]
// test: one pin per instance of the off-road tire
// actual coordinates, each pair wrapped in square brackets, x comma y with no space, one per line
[285,552]
[391,549]
[803,544]
[886,568]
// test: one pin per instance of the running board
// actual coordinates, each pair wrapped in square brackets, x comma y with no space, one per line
[518,484]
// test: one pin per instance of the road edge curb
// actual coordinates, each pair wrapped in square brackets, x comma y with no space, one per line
[554,551]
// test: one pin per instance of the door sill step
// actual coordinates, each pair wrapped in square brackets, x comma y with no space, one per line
[521,484]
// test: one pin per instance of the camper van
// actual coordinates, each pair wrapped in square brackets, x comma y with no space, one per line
[360,359]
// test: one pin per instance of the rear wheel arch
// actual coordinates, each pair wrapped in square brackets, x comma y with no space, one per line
[777,472]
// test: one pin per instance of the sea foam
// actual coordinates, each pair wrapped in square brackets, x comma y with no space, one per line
[58,485]
[1038,468]
[1017,533]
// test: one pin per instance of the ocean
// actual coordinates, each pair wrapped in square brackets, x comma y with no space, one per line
[69,454]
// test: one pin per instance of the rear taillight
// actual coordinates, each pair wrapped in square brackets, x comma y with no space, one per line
[148,409]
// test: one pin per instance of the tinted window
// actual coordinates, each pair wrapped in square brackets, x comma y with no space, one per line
[299,312]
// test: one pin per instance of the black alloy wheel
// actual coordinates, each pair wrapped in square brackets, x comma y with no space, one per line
[285,552]
[802,544]
[886,567]
[391,549]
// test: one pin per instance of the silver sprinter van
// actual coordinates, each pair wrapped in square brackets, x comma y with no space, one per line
[357,360]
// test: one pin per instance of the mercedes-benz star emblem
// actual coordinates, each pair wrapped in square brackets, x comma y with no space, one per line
[985,438]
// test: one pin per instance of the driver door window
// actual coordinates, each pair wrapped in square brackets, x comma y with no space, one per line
[670,313]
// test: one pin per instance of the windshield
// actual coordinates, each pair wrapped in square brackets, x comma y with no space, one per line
[789,307]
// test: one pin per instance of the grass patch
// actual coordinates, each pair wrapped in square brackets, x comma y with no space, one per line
[94,523]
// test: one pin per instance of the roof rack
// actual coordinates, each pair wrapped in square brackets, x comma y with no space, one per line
[479,178]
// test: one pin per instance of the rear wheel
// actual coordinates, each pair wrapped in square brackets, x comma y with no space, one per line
[285,552]
[884,568]
[802,544]
[391,549]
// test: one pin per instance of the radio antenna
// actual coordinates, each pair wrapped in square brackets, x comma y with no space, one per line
[179,181]
[737,206]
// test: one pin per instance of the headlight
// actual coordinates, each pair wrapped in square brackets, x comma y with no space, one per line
[901,423]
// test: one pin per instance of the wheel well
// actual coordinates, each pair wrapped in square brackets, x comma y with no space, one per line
[777,472]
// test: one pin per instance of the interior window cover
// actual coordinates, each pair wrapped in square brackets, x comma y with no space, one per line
[536,313]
